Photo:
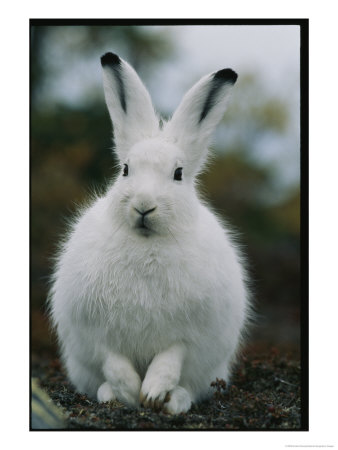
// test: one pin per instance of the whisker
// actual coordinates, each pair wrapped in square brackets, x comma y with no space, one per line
[171,234]
[118,228]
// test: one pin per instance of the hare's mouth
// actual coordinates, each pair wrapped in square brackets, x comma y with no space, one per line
[144,230]
[143,223]
[142,227]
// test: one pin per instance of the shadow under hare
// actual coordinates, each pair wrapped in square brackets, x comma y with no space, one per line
[149,296]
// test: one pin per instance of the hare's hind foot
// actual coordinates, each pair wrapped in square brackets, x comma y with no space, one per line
[180,401]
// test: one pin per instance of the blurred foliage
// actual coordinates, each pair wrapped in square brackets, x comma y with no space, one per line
[254,116]
[143,47]
[71,154]
[269,235]
[234,186]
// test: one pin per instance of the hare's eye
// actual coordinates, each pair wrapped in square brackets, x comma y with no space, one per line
[125,170]
[178,174]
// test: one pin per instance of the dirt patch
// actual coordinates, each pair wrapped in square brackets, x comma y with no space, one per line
[264,394]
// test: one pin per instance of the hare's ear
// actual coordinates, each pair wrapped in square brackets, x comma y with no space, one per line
[201,109]
[128,103]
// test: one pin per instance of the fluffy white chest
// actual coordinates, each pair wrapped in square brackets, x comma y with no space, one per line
[141,295]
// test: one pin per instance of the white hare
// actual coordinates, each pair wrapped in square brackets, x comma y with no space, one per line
[149,297]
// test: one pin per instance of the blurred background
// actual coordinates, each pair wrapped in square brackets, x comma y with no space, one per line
[254,178]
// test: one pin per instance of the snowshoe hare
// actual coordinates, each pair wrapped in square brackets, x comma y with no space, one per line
[149,297]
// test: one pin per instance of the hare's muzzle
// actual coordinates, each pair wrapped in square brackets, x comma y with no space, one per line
[142,217]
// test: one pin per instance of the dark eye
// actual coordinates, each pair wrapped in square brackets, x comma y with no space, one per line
[125,170]
[178,174]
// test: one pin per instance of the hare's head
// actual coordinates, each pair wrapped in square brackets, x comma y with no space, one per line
[160,162]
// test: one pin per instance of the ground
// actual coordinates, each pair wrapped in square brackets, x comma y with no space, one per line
[264,394]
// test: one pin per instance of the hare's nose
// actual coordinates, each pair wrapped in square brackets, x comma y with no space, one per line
[144,213]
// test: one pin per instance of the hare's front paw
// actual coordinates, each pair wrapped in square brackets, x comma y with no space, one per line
[122,381]
[128,390]
[125,392]
[156,388]
[162,377]
[105,393]
[175,401]
[155,396]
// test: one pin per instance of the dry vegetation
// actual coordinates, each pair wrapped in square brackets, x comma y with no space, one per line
[264,395]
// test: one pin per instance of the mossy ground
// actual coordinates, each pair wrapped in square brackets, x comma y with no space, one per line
[264,394]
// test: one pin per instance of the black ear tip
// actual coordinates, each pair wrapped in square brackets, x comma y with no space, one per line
[110,59]
[226,75]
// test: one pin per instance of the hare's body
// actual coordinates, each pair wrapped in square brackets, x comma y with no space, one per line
[148,297]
